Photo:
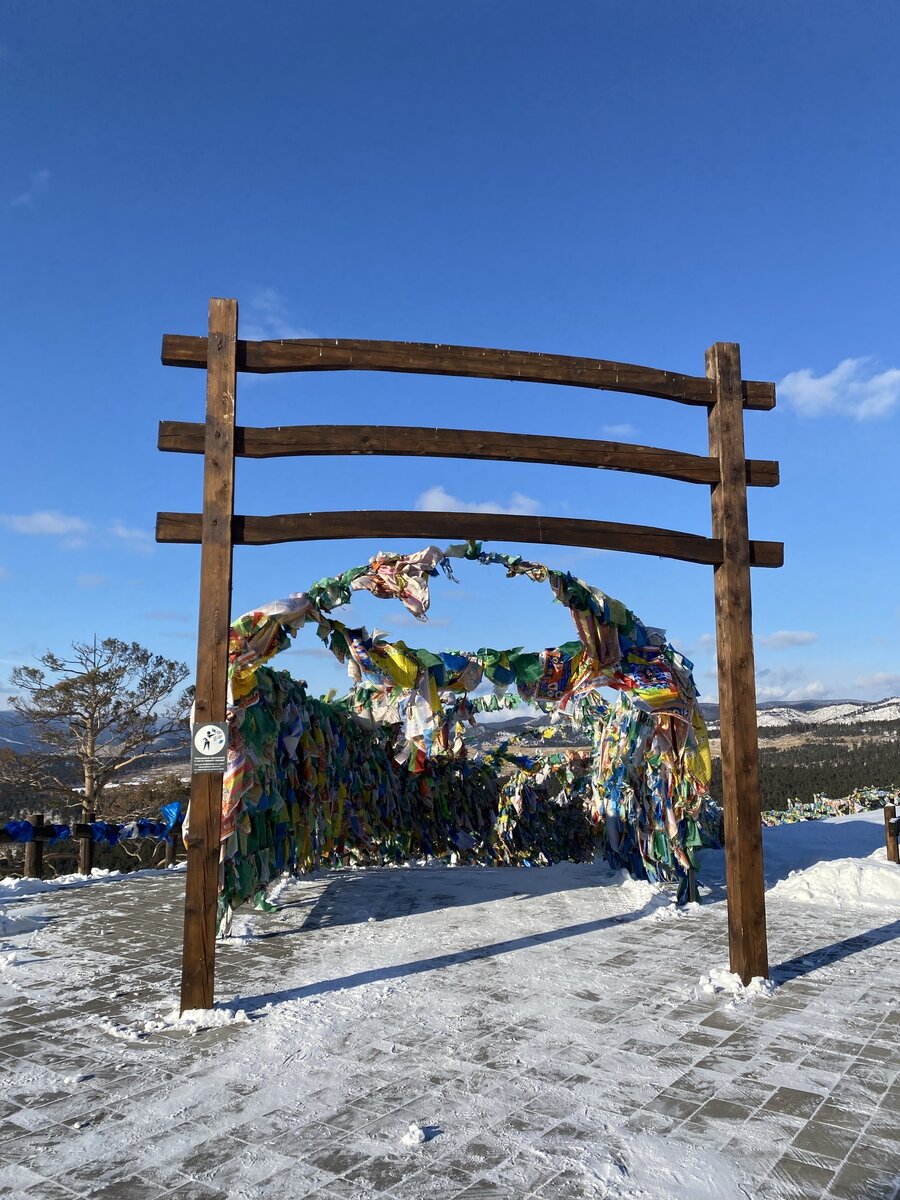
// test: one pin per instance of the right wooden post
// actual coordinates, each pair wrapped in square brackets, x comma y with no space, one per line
[34,850]
[747,944]
[892,844]
[86,846]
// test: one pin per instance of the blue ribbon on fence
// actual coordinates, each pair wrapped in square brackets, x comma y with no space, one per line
[19,831]
[106,831]
[173,815]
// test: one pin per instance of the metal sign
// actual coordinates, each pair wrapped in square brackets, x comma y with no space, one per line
[209,747]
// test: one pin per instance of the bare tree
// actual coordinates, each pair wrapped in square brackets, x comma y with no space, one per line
[96,713]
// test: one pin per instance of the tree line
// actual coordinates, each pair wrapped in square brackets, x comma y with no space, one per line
[832,763]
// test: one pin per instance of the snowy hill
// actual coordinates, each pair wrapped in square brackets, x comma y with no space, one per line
[16,733]
[781,714]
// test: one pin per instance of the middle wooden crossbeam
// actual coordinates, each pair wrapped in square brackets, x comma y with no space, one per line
[556,531]
[289,441]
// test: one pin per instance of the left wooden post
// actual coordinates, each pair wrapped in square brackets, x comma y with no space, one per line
[205,813]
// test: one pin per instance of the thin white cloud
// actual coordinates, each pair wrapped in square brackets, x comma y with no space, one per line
[623,430]
[705,644]
[436,499]
[75,533]
[789,637]
[43,524]
[266,318]
[37,185]
[887,682]
[852,389]
[91,581]
[814,690]
[787,683]
[139,540]
[165,614]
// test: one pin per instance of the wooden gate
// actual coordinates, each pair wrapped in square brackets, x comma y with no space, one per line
[729,551]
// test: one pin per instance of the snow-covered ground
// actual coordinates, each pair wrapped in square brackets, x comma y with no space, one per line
[431,1031]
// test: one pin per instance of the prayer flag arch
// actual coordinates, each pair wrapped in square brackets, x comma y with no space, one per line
[299,778]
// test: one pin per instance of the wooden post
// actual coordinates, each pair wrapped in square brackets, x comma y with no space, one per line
[748,950]
[86,848]
[34,851]
[205,813]
[890,833]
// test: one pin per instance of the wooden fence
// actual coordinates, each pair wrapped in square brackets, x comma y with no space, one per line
[43,831]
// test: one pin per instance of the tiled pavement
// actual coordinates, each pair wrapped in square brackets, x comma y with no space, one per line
[535,1083]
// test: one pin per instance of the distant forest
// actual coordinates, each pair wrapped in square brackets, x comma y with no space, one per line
[833,763]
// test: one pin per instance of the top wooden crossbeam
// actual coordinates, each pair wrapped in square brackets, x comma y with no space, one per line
[349,354]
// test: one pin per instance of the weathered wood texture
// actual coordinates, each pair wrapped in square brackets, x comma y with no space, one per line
[288,441]
[348,354]
[890,833]
[34,851]
[86,846]
[202,842]
[556,531]
[737,683]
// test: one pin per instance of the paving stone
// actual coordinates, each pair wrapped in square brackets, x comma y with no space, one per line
[828,1142]
[673,1105]
[192,1190]
[45,1190]
[794,1178]
[860,1181]
[793,1102]
[130,1187]
[383,1174]
[488,1189]
[16,1178]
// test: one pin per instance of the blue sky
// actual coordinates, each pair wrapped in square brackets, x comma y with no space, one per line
[628,181]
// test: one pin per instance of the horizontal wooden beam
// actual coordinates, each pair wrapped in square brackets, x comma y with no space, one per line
[348,354]
[557,531]
[285,441]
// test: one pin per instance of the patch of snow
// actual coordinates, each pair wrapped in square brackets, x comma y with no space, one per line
[885,710]
[195,1019]
[788,848]
[768,718]
[848,712]
[654,1167]
[721,980]
[414,1136]
[837,713]
[13,888]
[122,1033]
[871,882]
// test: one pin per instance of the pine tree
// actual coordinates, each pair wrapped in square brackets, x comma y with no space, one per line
[100,710]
